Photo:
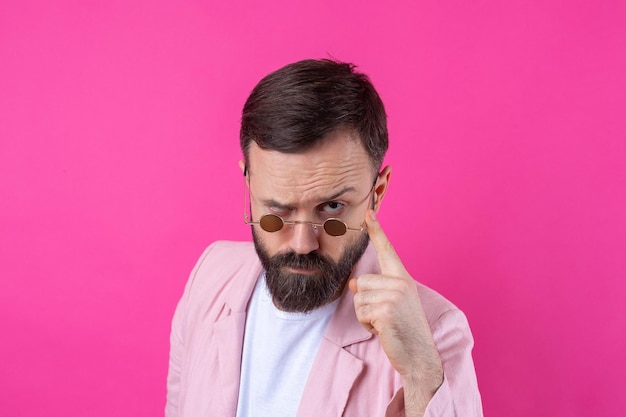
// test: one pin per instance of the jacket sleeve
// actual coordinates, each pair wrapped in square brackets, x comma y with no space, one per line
[174,372]
[177,343]
[458,395]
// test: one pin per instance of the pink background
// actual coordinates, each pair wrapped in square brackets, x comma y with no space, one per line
[118,165]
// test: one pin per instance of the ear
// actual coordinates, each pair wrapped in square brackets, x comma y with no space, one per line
[244,171]
[380,188]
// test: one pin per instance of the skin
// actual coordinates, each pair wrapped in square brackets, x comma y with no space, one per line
[389,306]
[299,187]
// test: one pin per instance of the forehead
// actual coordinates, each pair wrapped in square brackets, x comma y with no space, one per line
[337,162]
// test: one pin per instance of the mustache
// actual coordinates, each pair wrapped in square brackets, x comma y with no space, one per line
[312,260]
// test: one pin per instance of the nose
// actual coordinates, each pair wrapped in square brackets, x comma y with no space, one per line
[304,238]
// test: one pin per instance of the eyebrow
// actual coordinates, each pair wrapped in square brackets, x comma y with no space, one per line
[273,203]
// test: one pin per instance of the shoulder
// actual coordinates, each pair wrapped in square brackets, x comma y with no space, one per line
[435,305]
[448,324]
[224,271]
[228,250]
[441,313]
[224,257]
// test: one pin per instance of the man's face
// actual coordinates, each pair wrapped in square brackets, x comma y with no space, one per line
[305,267]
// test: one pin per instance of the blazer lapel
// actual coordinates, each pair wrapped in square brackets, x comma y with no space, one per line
[330,382]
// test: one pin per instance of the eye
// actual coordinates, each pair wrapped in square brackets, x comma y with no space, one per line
[332,208]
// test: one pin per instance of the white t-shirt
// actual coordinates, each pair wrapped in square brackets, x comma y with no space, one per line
[278,352]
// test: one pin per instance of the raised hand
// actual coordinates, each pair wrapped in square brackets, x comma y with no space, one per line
[388,305]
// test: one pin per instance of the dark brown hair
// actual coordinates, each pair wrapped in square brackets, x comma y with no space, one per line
[295,107]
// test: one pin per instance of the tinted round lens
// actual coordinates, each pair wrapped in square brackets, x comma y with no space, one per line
[271,223]
[335,227]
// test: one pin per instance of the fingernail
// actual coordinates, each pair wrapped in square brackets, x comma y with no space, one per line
[372,215]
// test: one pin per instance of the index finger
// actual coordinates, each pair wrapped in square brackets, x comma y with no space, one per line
[390,263]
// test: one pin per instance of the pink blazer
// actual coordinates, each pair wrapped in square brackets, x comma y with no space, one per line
[351,375]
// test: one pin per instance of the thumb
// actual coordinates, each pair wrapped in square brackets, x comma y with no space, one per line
[353,285]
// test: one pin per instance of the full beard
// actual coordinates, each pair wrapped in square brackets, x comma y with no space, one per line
[304,292]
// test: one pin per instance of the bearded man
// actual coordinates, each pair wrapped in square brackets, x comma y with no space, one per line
[318,317]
